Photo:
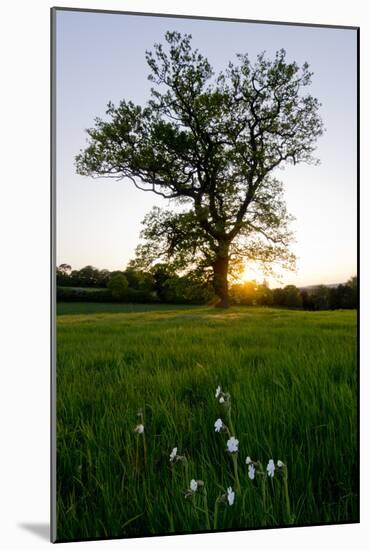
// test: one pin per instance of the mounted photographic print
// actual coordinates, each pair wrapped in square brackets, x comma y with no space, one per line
[204,260]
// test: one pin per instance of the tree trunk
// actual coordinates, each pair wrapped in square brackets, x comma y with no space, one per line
[220,268]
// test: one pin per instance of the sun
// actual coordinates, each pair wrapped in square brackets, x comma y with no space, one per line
[250,272]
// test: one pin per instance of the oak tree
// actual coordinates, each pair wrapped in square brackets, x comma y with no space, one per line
[210,144]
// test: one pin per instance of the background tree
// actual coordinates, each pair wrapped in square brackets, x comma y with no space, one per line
[211,144]
[118,285]
[320,297]
[63,272]
[87,276]
[352,299]
[264,295]
[292,296]
[289,296]
[103,278]
[244,294]
[139,280]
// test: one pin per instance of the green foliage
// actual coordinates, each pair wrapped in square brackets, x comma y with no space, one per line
[73,294]
[118,286]
[321,297]
[264,296]
[91,284]
[139,280]
[163,284]
[188,290]
[343,296]
[63,274]
[87,277]
[292,378]
[244,293]
[210,143]
[288,296]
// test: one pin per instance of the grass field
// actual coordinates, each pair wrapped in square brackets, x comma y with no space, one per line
[292,380]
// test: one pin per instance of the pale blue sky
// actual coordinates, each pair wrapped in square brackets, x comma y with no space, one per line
[101,57]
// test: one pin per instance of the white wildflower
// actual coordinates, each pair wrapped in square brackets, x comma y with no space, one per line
[230,496]
[218,425]
[280,464]
[173,454]
[232,445]
[217,392]
[139,429]
[193,485]
[251,471]
[248,460]
[221,399]
[270,468]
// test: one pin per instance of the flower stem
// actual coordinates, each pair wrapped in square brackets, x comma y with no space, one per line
[216,507]
[231,432]
[230,420]
[235,468]
[207,519]
[286,496]
[185,464]
[136,456]
[263,497]
[144,448]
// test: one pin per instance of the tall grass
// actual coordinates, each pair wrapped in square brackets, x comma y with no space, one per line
[292,379]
